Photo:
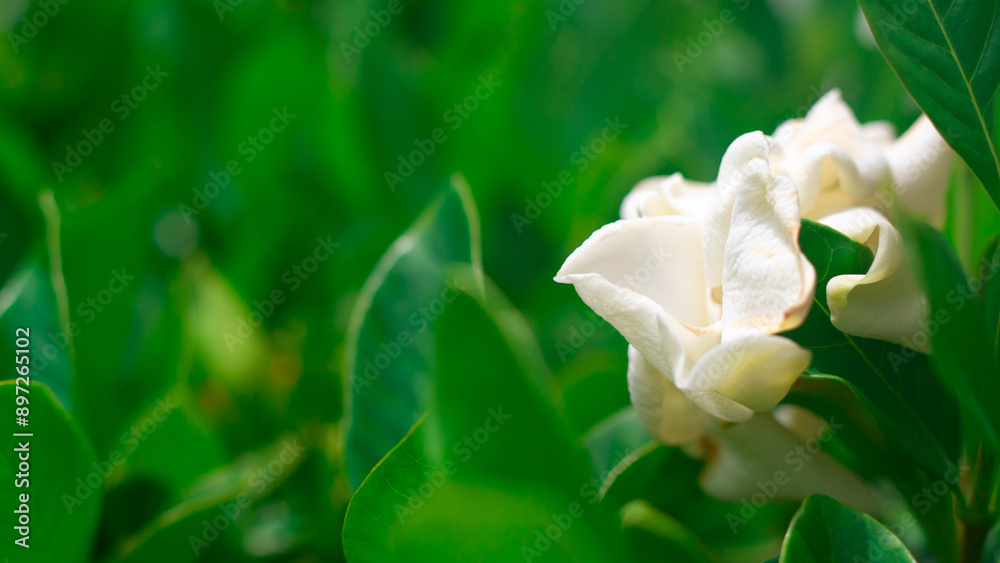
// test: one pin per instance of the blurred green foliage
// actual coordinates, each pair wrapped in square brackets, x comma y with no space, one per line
[165,275]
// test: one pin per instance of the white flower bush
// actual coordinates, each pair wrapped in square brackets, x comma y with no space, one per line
[701,278]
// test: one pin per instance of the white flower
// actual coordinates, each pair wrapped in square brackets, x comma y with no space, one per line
[700,299]
[841,169]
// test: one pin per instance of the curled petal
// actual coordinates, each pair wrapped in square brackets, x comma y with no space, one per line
[668,195]
[920,161]
[644,276]
[741,376]
[885,303]
[746,148]
[768,283]
[664,411]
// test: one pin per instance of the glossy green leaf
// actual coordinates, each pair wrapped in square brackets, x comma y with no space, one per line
[60,461]
[492,474]
[962,340]
[390,344]
[947,54]
[825,531]
[894,382]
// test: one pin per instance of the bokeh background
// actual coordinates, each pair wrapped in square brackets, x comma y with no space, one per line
[160,269]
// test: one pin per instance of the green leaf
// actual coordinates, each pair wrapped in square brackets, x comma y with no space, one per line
[947,54]
[989,293]
[667,479]
[28,300]
[647,530]
[825,531]
[390,343]
[492,474]
[962,340]
[613,440]
[59,455]
[220,503]
[865,451]
[894,382]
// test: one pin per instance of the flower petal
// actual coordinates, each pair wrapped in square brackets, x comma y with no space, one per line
[749,456]
[665,412]
[835,161]
[668,195]
[920,161]
[768,283]
[644,276]
[741,152]
[885,303]
[749,374]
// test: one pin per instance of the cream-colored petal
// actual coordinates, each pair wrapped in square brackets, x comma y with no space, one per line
[886,302]
[834,160]
[746,148]
[760,460]
[669,195]
[882,133]
[768,283]
[921,161]
[644,277]
[666,413]
[754,373]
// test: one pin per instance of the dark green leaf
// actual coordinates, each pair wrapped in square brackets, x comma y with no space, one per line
[962,340]
[947,54]
[390,344]
[893,381]
[487,473]
[825,531]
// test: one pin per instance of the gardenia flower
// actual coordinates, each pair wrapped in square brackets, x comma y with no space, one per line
[841,170]
[700,299]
